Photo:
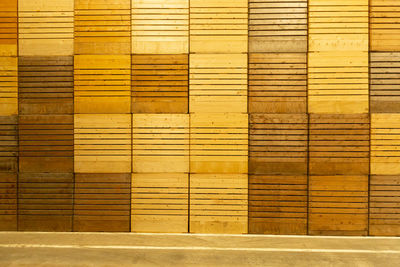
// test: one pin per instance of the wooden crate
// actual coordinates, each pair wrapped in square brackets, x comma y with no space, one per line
[8,144]
[9,28]
[160,27]
[8,86]
[102,202]
[385,140]
[384,25]
[46,85]
[278,204]
[385,82]
[277,83]
[102,143]
[218,26]
[338,205]
[218,203]
[46,27]
[218,83]
[102,84]
[160,83]
[278,144]
[338,25]
[277,26]
[46,143]
[338,82]
[339,144]
[45,201]
[218,143]
[384,207]
[160,143]
[160,202]
[102,27]
[8,201]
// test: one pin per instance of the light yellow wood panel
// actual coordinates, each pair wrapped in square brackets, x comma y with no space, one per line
[8,86]
[9,27]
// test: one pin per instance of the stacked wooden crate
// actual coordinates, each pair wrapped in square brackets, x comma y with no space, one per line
[339,120]
[278,117]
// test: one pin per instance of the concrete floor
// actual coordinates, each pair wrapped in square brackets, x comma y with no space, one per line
[97,249]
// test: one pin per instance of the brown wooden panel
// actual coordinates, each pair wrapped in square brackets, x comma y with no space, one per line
[46,85]
[8,144]
[278,204]
[277,83]
[45,201]
[278,26]
[160,83]
[385,82]
[9,27]
[102,202]
[8,201]
[8,86]
[339,144]
[338,205]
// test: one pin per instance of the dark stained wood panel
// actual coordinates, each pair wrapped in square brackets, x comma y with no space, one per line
[8,201]
[8,144]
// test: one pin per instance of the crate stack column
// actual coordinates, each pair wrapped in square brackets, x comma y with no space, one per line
[384,212]
[102,125]
[338,117]
[218,116]
[8,114]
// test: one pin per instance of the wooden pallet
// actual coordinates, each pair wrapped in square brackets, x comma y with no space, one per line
[9,26]
[102,84]
[160,83]
[385,82]
[102,27]
[102,143]
[46,28]
[102,202]
[218,83]
[277,26]
[160,27]
[8,86]
[8,144]
[218,26]
[8,201]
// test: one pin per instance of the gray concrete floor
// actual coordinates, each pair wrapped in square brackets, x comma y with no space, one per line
[97,249]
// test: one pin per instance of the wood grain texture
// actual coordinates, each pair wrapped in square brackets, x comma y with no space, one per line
[102,202]
[338,205]
[9,144]
[8,201]
[160,27]
[218,26]
[277,83]
[160,83]
[277,26]
[46,28]
[9,28]
[218,83]
[8,86]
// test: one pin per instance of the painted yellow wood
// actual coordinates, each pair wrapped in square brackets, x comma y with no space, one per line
[218,83]
[218,26]
[9,27]
[385,144]
[46,27]
[102,143]
[8,86]
[102,84]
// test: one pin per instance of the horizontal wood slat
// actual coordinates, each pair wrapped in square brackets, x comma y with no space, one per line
[9,28]
[9,144]
[8,86]
[8,201]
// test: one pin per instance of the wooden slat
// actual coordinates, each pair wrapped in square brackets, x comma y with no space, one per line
[102,143]
[8,86]
[278,26]
[102,202]
[8,144]
[160,83]
[160,27]
[8,201]
[218,26]
[218,83]
[9,28]
[46,27]
[45,201]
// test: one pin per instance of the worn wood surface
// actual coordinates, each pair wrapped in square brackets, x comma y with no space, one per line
[9,144]
[8,201]
[9,28]
[8,86]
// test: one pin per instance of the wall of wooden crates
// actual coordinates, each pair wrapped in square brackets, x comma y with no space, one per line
[200,116]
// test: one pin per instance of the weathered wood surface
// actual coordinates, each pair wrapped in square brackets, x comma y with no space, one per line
[8,86]
[8,201]
[9,28]
[9,144]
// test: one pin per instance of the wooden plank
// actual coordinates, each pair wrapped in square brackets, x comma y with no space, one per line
[160,83]
[102,143]
[8,144]
[8,201]
[218,203]
[8,86]
[102,202]
[9,28]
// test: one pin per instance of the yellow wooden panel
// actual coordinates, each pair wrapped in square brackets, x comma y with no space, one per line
[385,144]
[218,203]
[8,86]
[102,143]
[218,26]
[160,143]
[160,202]
[102,83]
[218,83]
[160,27]
[9,27]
